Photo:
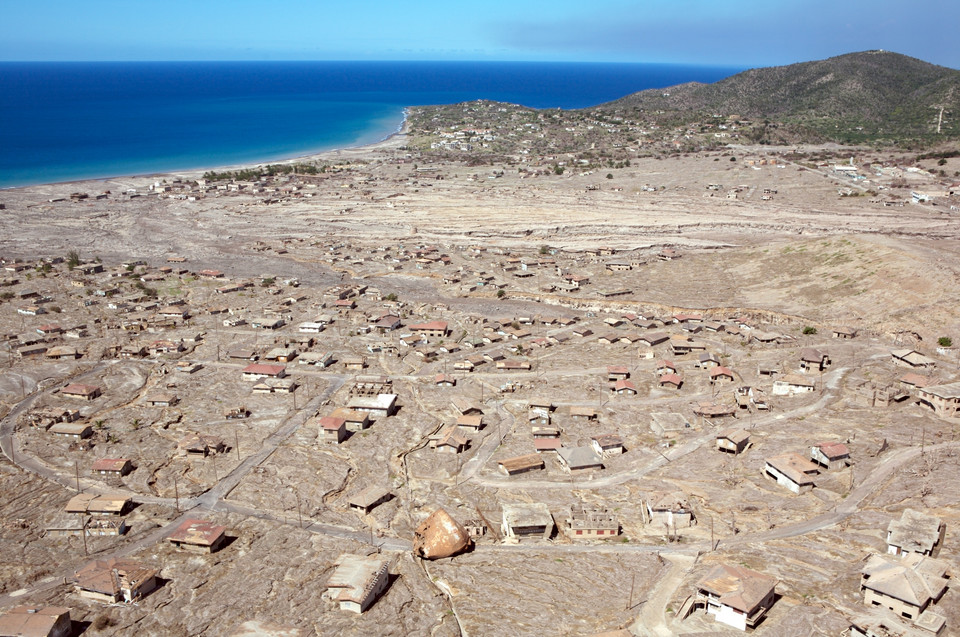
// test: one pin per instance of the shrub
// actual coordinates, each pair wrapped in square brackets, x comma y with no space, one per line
[944,341]
[501,294]
[809,330]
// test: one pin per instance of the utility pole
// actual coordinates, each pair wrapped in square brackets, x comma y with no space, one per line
[633,581]
[236,438]
[176,494]
[83,534]
[299,514]
[76,466]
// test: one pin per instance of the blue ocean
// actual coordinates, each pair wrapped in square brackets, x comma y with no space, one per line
[82,120]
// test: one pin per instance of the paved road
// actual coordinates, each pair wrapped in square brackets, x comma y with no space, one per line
[8,441]
[652,621]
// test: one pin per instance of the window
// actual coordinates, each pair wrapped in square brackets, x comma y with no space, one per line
[579,532]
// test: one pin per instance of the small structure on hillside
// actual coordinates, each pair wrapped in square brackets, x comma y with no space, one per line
[112,466]
[521,464]
[591,522]
[379,406]
[527,521]
[736,596]
[733,440]
[36,621]
[908,586]
[915,532]
[200,445]
[943,399]
[83,392]
[97,504]
[358,581]
[199,536]
[579,459]
[115,580]
[367,499]
[832,455]
[792,471]
[671,509]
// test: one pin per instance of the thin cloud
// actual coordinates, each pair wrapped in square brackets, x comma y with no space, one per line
[781,35]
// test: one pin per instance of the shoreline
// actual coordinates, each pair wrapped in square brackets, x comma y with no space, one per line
[391,141]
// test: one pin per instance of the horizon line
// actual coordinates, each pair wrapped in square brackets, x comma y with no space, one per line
[377,61]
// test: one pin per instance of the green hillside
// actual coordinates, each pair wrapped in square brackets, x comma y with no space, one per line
[858,97]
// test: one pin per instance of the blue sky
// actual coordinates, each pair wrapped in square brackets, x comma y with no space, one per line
[722,32]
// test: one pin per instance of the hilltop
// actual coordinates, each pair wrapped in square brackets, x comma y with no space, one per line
[875,98]
[857,97]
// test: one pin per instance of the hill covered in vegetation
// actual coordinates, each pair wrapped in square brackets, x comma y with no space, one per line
[872,96]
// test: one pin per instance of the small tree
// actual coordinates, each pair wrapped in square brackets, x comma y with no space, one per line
[945,341]
[73,259]
[809,329]
[609,175]
[501,294]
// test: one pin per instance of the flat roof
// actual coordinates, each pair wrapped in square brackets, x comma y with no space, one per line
[527,514]
[199,532]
